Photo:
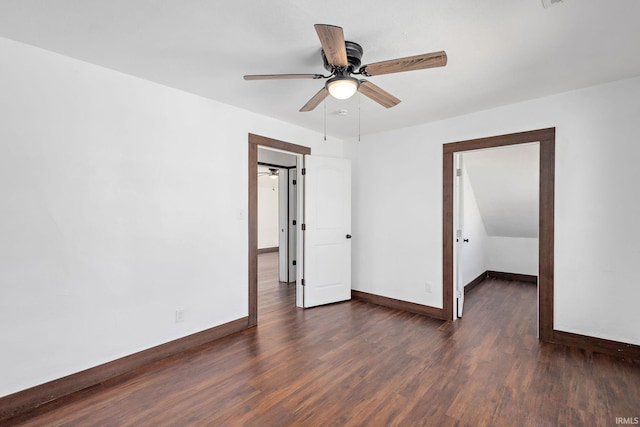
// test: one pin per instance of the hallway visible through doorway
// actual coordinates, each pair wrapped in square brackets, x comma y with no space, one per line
[273,294]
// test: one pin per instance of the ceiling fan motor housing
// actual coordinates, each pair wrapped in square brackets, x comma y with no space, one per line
[354,57]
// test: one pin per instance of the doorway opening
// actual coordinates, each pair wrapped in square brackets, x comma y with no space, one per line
[495,217]
[546,140]
[277,210]
[256,142]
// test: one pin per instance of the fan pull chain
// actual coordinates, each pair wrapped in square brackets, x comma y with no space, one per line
[359,98]
[325,119]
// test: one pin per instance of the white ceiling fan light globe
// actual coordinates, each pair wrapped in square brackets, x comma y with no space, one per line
[342,87]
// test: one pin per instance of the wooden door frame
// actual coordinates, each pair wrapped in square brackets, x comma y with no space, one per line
[254,142]
[546,138]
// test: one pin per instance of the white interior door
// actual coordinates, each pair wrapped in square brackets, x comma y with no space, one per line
[458,209]
[327,219]
[293,215]
[283,225]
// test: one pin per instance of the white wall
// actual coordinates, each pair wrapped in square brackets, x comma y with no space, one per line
[268,225]
[474,255]
[113,214]
[505,191]
[505,182]
[512,255]
[397,227]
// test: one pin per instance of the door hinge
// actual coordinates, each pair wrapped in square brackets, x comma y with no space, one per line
[304,227]
[294,182]
[294,222]
[302,282]
[458,172]
[303,171]
[293,262]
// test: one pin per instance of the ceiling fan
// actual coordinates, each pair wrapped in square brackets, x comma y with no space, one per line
[273,173]
[343,58]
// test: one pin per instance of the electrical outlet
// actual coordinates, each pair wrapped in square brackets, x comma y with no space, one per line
[179,315]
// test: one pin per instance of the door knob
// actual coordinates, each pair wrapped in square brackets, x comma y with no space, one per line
[466,240]
[348,236]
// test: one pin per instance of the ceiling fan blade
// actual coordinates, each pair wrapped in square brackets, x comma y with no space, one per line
[379,95]
[315,100]
[282,76]
[410,63]
[332,40]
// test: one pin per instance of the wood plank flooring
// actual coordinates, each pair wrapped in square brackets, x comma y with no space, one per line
[355,363]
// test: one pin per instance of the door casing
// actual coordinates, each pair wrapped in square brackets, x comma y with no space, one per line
[546,138]
[254,142]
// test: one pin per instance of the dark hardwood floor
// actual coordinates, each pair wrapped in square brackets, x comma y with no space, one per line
[355,363]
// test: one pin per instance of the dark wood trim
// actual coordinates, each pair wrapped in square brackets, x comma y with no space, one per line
[546,234]
[500,140]
[25,400]
[546,138]
[267,250]
[277,144]
[597,345]
[254,142]
[527,278]
[447,233]
[475,282]
[252,218]
[410,307]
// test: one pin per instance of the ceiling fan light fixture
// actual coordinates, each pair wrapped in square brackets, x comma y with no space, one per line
[342,87]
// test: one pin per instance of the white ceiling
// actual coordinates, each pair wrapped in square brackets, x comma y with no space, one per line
[500,51]
[505,183]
